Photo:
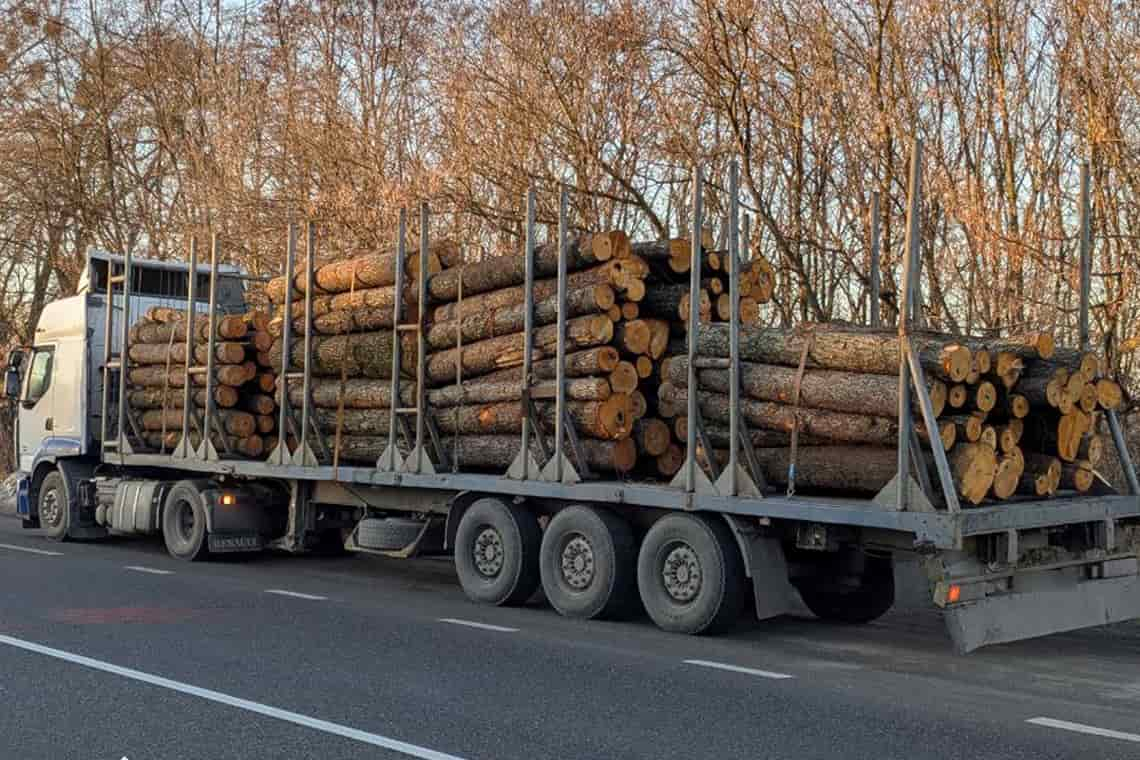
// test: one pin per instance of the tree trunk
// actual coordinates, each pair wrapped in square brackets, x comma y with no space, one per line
[485,356]
[259,403]
[841,348]
[489,324]
[848,469]
[251,446]
[359,355]
[369,271]
[237,423]
[829,425]
[601,360]
[1077,476]
[662,301]
[606,420]
[225,396]
[504,271]
[837,391]
[155,376]
[652,436]
[1109,394]
[973,466]
[577,389]
[159,353]
[227,327]
[359,393]
[633,337]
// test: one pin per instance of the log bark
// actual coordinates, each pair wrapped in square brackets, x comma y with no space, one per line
[251,446]
[606,420]
[504,271]
[662,301]
[369,271]
[155,376]
[577,389]
[225,396]
[836,347]
[601,360]
[848,469]
[234,422]
[837,391]
[485,356]
[821,423]
[227,327]
[497,452]
[592,299]
[157,353]
[359,355]
[359,393]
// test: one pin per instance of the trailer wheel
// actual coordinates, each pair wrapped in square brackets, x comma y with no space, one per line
[184,522]
[691,575]
[588,564]
[52,506]
[496,552]
[869,601]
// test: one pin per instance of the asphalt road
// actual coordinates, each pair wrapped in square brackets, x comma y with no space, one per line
[115,650]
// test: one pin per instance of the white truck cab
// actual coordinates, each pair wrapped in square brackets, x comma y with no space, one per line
[58,380]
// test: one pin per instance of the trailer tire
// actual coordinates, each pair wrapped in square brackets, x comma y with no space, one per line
[691,575]
[496,552]
[388,533]
[184,522]
[588,564]
[53,507]
[857,606]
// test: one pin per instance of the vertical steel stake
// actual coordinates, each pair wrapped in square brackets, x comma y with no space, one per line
[281,455]
[184,449]
[524,466]
[559,469]
[390,459]
[875,318]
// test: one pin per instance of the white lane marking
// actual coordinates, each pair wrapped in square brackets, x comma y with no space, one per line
[739,669]
[297,594]
[269,711]
[1082,728]
[484,626]
[151,570]
[30,550]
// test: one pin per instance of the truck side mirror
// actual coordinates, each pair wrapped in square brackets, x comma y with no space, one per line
[12,383]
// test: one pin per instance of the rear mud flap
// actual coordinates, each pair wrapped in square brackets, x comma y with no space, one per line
[1028,614]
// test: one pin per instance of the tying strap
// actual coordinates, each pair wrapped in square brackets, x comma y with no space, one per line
[808,343]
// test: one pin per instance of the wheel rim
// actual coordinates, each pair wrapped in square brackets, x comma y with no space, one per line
[50,510]
[487,552]
[578,565]
[681,572]
[185,521]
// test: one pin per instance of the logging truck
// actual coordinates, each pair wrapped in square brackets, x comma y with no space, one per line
[551,508]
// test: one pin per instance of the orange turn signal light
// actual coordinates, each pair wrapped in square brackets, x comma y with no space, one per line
[954,594]
[228,500]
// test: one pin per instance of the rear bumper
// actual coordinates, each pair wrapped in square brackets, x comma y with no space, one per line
[1067,605]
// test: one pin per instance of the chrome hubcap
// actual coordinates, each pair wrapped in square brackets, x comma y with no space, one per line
[488,552]
[681,573]
[50,510]
[578,562]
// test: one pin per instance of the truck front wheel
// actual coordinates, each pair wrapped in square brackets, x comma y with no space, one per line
[184,522]
[52,506]
[691,575]
[496,552]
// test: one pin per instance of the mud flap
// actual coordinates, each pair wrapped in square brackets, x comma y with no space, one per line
[1040,612]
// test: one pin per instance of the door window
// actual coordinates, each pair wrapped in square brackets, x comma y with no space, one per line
[39,374]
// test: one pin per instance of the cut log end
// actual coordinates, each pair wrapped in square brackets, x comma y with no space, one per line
[956,362]
[1109,394]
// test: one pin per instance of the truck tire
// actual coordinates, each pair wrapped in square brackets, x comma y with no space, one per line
[691,575]
[588,564]
[52,506]
[496,552]
[184,522]
[870,601]
[387,533]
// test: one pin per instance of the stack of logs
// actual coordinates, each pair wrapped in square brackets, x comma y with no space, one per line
[246,412]
[1015,415]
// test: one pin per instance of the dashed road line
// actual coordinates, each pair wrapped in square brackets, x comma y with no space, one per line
[151,570]
[30,550]
[482,626]
[1082,728]
[738,669]
[295,594]
[328,727]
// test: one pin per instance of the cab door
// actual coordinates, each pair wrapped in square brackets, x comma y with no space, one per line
[37,404]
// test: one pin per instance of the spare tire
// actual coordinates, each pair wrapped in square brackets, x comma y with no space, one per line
[387,533]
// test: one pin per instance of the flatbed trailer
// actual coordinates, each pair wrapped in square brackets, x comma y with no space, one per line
[687,551]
